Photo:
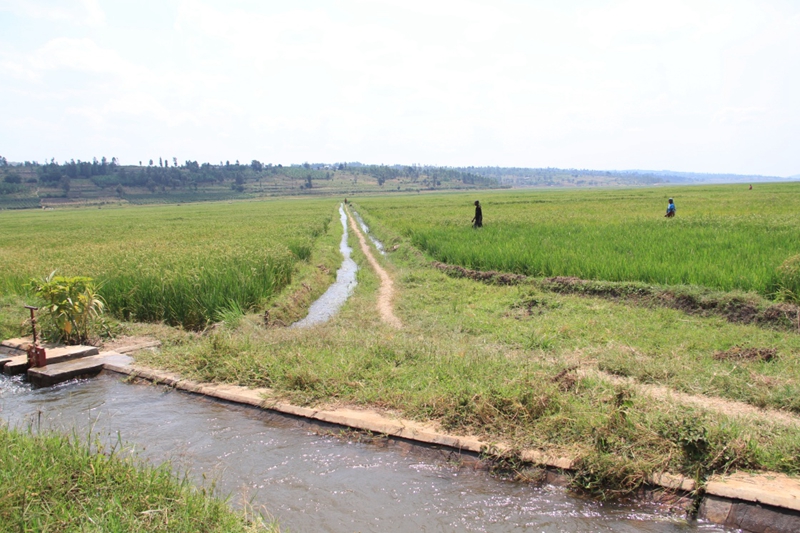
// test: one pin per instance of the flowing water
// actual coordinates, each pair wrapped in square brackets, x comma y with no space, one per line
[312,479]
[337,294]
[378,244]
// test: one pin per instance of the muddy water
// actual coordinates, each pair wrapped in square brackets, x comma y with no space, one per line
[337,294]
[314,482]
[378,244]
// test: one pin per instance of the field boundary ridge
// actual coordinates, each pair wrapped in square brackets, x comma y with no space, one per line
[736,307]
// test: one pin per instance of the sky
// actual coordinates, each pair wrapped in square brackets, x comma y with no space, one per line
[686,85]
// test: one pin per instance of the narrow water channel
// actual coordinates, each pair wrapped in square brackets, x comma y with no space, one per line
[378,244]
[312,481]
[337,294]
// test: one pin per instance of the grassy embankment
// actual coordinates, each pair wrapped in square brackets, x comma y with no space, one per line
[517,364]
[51,482]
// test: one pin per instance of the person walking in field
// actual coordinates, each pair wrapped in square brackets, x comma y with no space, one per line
[670,209]
[477,220]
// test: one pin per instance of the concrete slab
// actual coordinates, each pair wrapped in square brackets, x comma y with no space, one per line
[769,488]
[138,346]
[16,365]
[75,368]
[116,359]
[20,343]
[59,372]
[673,482]
[59,354]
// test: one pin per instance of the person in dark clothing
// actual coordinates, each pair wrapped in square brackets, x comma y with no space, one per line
[670,209]
[477,220]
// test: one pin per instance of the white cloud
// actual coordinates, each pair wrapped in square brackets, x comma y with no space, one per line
[82,55]
[83,12]
[590,84]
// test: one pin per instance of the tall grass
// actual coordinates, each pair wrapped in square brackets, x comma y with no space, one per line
[724,237]
[183,265]
[51,482]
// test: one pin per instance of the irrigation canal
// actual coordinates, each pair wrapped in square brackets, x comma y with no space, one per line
[337,294]
[309,477]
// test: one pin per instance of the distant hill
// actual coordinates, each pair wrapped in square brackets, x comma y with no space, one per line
[695,177]
[31,185]
[559,177]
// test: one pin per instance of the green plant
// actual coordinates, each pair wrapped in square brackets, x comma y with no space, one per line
[72,307]
[721,240]
[789,280]
[232,315]
[179,265]
[54,482]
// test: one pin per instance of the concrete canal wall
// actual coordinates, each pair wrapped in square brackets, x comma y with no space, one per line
[758,503]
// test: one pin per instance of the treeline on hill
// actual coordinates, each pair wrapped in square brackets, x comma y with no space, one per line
[560,177]
[23,185]
[429,176]
[153,177]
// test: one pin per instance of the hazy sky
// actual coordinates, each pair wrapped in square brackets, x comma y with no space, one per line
[695,85]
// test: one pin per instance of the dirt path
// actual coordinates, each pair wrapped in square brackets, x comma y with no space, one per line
[386,292]
[720,405]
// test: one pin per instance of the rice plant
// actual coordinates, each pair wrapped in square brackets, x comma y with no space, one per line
[724,237]
[179,264]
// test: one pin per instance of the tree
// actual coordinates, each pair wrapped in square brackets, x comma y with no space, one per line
[12,177]
[256,165]
[308,181]
[3,161]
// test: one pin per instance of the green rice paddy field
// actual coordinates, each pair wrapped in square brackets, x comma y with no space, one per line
[521,364]
[724,237]
[180,264]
